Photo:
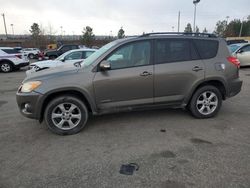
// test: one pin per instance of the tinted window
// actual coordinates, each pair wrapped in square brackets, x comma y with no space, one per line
[206,48]
[74,47]
[174,50]
[11,51]
[65,48]
[130,55]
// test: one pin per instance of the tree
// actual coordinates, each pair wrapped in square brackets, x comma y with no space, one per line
[188,28]
[121,33]
[220,28]
[197,30]
[204,30]
[35,30]
[88,37]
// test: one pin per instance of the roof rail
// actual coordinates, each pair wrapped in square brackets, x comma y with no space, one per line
[209,35]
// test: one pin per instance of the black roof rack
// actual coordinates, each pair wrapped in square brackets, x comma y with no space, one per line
[209,35]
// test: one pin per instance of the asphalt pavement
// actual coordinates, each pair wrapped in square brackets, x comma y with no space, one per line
[171,148]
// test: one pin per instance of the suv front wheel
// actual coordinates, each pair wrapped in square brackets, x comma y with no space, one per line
[66,115]
[206,102]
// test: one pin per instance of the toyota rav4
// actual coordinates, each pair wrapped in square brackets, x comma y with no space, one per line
[193,71]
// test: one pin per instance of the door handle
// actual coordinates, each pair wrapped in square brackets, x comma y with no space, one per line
[146,73]
[197,68]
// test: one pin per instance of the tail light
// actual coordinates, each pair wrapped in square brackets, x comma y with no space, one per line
[19,56]
[234,61]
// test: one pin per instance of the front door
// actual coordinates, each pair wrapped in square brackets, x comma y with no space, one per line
[130,80]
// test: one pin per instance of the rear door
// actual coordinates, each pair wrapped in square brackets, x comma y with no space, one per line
[130,80]
[177,67]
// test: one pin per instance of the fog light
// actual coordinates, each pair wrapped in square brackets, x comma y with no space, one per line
[27,107]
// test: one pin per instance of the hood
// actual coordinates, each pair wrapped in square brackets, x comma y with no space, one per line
[52,72]
[42,64]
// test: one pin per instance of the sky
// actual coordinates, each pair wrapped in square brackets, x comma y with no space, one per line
[106,17]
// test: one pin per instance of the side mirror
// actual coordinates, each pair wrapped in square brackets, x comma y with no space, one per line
[105,65]
[240,51]
[63,59]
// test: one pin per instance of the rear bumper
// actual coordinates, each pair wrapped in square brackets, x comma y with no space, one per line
[234,87]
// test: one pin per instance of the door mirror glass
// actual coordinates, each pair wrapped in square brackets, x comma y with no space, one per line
[105,65]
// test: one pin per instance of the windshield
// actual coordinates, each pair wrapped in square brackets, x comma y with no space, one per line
[91,59]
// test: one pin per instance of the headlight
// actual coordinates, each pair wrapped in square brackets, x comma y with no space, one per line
[30,86]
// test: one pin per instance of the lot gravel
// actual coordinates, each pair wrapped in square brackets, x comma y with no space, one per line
[171,148]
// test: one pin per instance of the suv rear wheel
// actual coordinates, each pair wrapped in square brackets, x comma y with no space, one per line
[206,102]
[6,67]
[66,115]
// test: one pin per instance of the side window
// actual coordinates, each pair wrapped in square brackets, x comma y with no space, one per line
[174,50]
[86,54]
[206,48]
[65,49]
[74,47]
[73,55]
[130,55]
[246,48]
[11,51]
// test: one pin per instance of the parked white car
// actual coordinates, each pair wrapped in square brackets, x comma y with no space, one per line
[69,57]
[12,59]
[243,54]
[31,52]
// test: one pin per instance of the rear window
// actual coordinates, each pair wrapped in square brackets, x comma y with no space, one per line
[207,48]
[11,51]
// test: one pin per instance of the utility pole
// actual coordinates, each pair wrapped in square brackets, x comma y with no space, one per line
[12,26]
[5,25]
[179,17]
[241,26]
[195,2]
[227,17]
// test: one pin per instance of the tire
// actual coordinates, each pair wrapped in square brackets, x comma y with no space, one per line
[61,120]
[205,102]
[6,67]
[31,56]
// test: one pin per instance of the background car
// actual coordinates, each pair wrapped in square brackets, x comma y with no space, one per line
[12,59]
[31,52]
[243,54]
[233,47]
[69,57]
[53,54]
[235,41]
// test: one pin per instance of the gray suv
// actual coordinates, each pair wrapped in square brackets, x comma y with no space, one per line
[193,71]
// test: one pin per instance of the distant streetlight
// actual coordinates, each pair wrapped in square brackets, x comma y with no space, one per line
[61,30]
[241,27]
[195,2]
[227,17]
[12,26]
[4,22]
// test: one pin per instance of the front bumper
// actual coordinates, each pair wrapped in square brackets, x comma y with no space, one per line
[235,87]
[24,64]
[30,104]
